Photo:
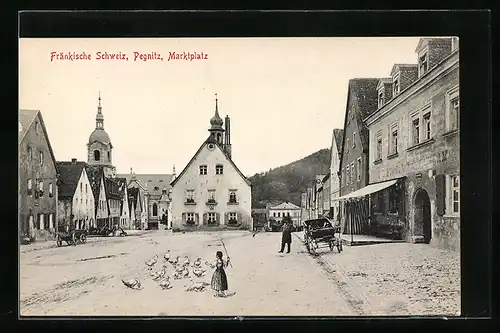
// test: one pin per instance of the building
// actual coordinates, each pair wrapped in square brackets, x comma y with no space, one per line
[138,217]
[317,197]
[325,202]
[309,204]
[211,191]
[124,204]
[76,208]
[260,218]
[415,148]
[114,200]
[304,209]
[361,102]
[278,212]
[155,191]
[99,147]
[335,149]
[37,195]
[97,180]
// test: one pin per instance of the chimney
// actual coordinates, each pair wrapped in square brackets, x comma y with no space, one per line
[73,161]
[227,139]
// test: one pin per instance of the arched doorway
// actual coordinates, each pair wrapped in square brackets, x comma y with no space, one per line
[422,215]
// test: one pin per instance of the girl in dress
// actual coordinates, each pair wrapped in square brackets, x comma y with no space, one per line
[219,279]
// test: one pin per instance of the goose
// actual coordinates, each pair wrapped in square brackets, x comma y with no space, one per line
[152,262]
[158,275]
[186,261]
[197,286]
[165,284]
[167,255]
[197,263]
[185,273]
[175,261]
[177,275]
[199,272]
[132,283]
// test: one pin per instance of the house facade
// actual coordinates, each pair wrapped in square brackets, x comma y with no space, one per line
[415,139]
[112,188]
[335,149]
[278,212]
[325,201]
[76,209]
[96,179]
[211,191]
[124,204]
[37,195]
[361,102]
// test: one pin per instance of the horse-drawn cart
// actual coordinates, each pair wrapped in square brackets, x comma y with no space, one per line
[73,237]
[320,233]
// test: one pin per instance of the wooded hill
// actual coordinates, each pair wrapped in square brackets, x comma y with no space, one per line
[286,183]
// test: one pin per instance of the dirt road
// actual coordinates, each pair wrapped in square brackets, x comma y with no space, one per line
[86,279]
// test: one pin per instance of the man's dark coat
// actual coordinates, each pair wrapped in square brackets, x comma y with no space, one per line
[287,234]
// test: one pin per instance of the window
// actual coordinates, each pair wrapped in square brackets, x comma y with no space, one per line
[41,158]
[109,156]
[232,196]
[86,189]
[190,196]
[454,192]
[30,154]
[37,127]
[211,218]
[353,139]
[279,214]
[190,218]
[156,188]
[274,214]
[347,145]
[155,209]
[381,98]
[203,169]
[378,148]
[423,64]
[211,196]
[40,188]
[427,125]
[393,147]
[97,155]
[30,187]
[415,131]
[358,171]
[232,218]
[347,175]
[353,176]
[51,193]
[395,86]
[164,191]
[287,214]
[393,200]
[81,187]
[219,169]
[452,110]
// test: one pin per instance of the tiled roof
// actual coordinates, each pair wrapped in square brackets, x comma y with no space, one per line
[69,175]
[211,139]
[285,205]
[365,92]
[154,183]
[339,136]
[402,66]
[111,187]
[95,174]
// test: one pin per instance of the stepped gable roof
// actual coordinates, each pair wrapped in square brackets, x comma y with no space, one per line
[69,176]
[211,139]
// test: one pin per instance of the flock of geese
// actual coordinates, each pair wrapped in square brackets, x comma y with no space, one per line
[180,271]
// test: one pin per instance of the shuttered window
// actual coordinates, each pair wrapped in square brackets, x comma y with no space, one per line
[441,194]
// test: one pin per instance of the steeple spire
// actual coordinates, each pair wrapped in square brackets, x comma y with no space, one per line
[99,119]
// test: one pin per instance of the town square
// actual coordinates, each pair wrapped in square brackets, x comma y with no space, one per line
[231,187]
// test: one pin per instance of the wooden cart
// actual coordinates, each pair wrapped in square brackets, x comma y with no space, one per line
[320,233]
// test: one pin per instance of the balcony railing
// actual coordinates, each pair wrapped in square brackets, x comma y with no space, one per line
[190,202]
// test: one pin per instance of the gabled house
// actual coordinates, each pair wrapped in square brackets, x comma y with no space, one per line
[96,178]
[137,217]
[278,212]
[362,100]
[76,208]
[211,191]
[114,199]
[37,195]
[124,204]
[335,149]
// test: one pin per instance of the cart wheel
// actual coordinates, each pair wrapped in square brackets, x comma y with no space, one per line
[58,241]
[331,245]
[83,239]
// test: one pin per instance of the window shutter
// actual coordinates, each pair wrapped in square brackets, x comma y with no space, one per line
[205,218]
[441,194]
[238,216]
[197,218]
[226,218]
[217,218]
[183,218]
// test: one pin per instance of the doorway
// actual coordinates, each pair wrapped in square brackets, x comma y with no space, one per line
[422,215]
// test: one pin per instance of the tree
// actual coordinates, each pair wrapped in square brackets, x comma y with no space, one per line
[286,219]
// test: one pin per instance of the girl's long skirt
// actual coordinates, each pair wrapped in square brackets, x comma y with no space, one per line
[219,280]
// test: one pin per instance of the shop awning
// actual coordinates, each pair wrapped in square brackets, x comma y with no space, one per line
[368,189]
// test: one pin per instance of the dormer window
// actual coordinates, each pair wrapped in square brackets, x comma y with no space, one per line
[423,64]
[381,98]
[395,86]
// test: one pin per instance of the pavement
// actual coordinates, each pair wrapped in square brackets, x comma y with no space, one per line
[385,279]
[85,280]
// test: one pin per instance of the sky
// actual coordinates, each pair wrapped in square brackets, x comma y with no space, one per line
[284,95]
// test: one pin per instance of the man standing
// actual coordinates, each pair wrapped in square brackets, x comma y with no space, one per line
[286,237]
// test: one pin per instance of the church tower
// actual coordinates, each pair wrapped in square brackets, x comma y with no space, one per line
[216,124]
[99,147]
